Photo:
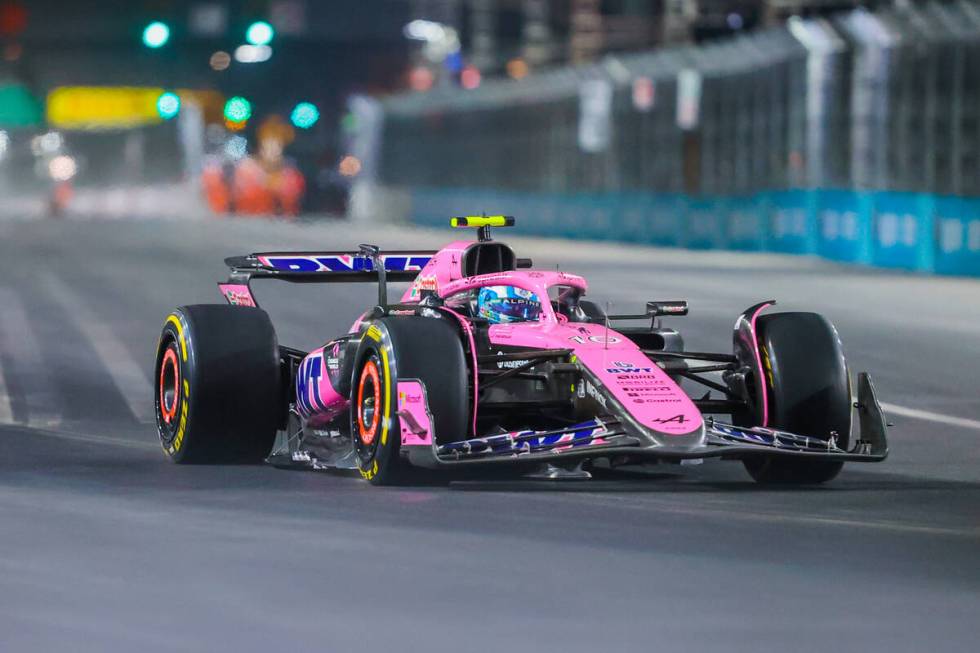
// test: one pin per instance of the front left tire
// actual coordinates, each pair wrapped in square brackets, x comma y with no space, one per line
[218,394]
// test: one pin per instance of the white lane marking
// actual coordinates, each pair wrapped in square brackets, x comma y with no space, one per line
[758,516]
[96,439]
[6,413]
[124,370]
[927,416]
[18,340]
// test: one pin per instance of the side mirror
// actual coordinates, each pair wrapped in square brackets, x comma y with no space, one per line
[675,308]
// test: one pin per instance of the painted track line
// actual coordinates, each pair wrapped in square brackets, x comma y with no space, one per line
[928,416]
[125,371]
[6,413]
[17,339]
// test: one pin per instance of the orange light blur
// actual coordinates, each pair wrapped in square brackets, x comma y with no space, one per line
[420,78]
[220,60]
[517,68]
[349,166]
[235,126]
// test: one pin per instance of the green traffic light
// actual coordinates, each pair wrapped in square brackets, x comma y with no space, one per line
[156,34]
[168,105]
[238,109]
[259,33]
[304,115]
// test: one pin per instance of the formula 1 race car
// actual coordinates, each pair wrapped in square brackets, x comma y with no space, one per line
[488,362]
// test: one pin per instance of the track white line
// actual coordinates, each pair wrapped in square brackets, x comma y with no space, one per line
[928,416]
[124,370]
[18,339]
[6,413]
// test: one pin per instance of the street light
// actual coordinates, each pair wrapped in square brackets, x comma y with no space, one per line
[156,34]
[304,115]
[168,105]
[259,33]
[238,109]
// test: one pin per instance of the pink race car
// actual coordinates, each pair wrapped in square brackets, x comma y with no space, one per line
[486,362]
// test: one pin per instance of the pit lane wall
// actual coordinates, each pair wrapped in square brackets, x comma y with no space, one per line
[910,231]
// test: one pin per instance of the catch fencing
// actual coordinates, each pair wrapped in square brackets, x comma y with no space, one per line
[856,138]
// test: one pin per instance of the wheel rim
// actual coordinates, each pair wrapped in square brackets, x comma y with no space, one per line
[169,385]
[368,402]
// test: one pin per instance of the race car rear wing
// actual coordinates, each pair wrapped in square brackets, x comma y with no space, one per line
[367,264]
[330,267]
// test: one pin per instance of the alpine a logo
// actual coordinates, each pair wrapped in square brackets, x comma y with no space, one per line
[344,262]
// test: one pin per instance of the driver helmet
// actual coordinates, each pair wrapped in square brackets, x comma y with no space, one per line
[501,304]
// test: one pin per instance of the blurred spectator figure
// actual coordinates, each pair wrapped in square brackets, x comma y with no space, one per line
[267,183]
[61,194]
[216,188]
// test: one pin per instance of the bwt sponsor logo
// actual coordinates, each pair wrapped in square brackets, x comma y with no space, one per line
[344,263]
[628,370]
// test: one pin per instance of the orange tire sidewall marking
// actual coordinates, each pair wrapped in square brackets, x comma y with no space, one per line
[169,360]
[369,371]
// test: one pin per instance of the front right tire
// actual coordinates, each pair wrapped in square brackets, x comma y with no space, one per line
[808,392]
[406,347]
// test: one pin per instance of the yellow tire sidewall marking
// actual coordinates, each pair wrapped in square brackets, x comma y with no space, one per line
[386,422]
[173,319]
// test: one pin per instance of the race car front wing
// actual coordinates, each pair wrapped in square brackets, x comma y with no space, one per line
[604,437]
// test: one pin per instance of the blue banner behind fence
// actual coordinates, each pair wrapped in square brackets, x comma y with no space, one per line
[911,231]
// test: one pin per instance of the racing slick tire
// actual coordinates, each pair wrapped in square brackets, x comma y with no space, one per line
[406,347]
[809,393]
[218,388]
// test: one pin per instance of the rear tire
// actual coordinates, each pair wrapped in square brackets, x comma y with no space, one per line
[809,393]
[427,349]
[218,385]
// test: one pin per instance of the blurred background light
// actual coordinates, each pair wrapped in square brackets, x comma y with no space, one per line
[62,167]
[349,124]
[236,147]
[349,166]
[238,109]
[220,60]
[420,78]
[424,30]
[517,68]
[454,62]
[4,142]
[304,115]
[252,53]
[103,107]
[46,144]
[259,33]
[470,77]
[168,105]
[156,34]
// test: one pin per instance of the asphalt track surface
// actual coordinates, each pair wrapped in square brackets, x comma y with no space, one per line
[106,546]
